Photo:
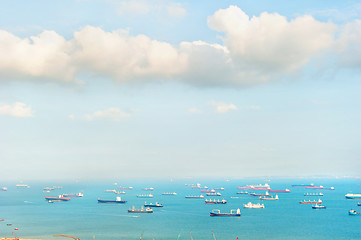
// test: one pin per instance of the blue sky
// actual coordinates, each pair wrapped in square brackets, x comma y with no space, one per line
[163,88]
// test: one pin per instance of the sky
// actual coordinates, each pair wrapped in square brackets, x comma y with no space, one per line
[94,89]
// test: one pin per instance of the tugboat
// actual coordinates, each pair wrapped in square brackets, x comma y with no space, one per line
[233,213]
[252,205]
[141,210]
[117,200]
[60,198]
[153,205]
[311,202]
[318,207]
[210,201]
[353,212]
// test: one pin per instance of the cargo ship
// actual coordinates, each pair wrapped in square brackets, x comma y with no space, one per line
[313,194]
[169,193]
[120,192]
[210,201]
[219,189]
[303,185]
[315,187]
[242,193]
[260,195]
[22,186]
[233,213]
[280,191]
[153,205]
[73,195]
[59,198]
[206,191]
[125,188]
[200,196]
[311,202]
[214,194]
[141,210]
[117,200]
[112,191]
[257,187]
[253,205]
[269,198]
[318,207]
[148,189]
[353,195]
[145,195]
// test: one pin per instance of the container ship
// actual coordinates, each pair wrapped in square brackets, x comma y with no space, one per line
[73,195]
[210,201]
[117,200]
[233,213]
[311,202]
[353,195]
[141,210]
[153,205]
[59,198]
[200,196]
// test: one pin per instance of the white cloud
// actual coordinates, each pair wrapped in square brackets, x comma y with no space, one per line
[222,107]
[176,10]
[195,110]
[114,114]
[18,109]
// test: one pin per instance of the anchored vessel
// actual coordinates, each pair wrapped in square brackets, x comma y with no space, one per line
[169,193]
[214,194]
[200,196]
[318,207]
[269,198]
[153,205]
[148,189]
[353,195]
[303,185]
[3,189]
[313,194]
[73,195]
[59,198]
[145,195]
[22,186]
[233,213]
[210,201]
[353,212]
[260,195]
[253,205]
[117,200]
[280,191]
[125,188]
[141,210]
[311,202]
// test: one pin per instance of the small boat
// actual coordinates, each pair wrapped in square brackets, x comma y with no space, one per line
[73,195]
[353,212]
[219,189]
[200,196]
[353,195]
[358,204]
[318,207]
[242,193]
[59,198]
[313,194]
[169,193]
[214,194]
[153,205]
[148,189]
[141,210]
[145,195]
[311,202]
[3,189]
[280,191]
[232,213]
[253,205]
[260,195]
[117,200]
[269,198]
[125,188]
[210,201]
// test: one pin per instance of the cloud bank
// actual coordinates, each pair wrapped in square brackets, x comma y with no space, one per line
[255,50]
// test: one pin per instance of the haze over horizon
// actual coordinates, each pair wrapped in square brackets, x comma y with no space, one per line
[94,89]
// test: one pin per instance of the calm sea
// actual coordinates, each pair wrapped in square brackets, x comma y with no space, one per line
[27,210]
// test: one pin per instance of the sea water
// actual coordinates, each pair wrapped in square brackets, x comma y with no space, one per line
[180,218]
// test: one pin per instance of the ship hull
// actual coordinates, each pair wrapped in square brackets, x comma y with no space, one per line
[224,215]
[57,199]
[111,201]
